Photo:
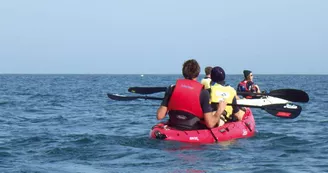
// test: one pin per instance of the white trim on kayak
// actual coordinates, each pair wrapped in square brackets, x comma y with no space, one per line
[262,101]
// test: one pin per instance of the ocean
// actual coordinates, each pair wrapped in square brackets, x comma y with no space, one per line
[67,124]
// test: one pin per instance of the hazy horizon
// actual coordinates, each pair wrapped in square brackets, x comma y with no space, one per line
[138,74]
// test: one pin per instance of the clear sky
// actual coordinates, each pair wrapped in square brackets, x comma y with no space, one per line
[157,36]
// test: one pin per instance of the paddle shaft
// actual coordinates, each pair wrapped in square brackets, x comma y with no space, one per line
[279,110]
[293,95]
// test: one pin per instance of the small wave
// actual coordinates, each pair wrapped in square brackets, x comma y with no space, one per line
[33,110]
[91,137]
[62,151]
[41,96]
[4,154]
[4,102]
[84,140]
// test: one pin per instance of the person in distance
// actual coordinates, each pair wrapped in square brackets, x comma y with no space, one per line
[206,81]
[247,85]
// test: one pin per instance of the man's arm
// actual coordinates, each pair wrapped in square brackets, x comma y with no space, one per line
[162,110]
[211,120]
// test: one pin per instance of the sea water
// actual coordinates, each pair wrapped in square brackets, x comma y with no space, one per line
[67,124]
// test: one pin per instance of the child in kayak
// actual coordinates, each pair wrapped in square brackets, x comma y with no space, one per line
[247,85]
[187,102]
[206,81]
[221,93]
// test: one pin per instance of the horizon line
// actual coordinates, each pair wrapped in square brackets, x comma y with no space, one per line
[143,74]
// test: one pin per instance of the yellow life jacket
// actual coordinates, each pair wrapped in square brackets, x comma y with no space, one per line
[206,82]
[226,93]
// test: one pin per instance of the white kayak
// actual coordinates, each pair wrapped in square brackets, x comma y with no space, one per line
[267,100]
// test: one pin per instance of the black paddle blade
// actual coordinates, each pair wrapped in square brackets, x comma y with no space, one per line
[129,98]
[121,98]
[293,95]
[289,111]
[147,90]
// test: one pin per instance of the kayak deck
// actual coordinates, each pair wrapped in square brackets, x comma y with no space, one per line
[265,100]
[233,130]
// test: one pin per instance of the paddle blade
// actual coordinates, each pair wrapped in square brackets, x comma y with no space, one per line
[289,111]
[147,90]
[293,95]
[129,98]
[121,98]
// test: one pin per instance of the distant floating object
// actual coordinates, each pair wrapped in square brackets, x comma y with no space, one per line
[141,75]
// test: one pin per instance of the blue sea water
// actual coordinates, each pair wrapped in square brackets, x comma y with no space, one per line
[66,124]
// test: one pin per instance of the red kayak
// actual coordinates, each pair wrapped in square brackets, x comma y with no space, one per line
[229,131]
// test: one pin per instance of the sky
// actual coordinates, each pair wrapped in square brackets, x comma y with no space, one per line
[157,36]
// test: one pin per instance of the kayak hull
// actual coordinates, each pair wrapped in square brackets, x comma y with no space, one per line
[229,131]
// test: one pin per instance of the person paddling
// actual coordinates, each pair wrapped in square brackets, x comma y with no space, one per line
[247,85]
[187,102]
[223,94]
[206,81]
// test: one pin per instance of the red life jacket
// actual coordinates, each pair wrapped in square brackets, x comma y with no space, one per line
[243,87]
[185,97]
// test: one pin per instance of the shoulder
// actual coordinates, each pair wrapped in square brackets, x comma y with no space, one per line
[204,93]
[250,82]
[171,87]
[204,100]
[169,90]
[231,89]
[205,80]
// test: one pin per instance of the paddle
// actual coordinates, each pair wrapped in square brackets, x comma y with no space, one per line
[289,111]
[147,90]
[129,98]
[293,95]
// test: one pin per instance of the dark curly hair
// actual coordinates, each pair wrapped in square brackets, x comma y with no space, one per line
[190,69]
